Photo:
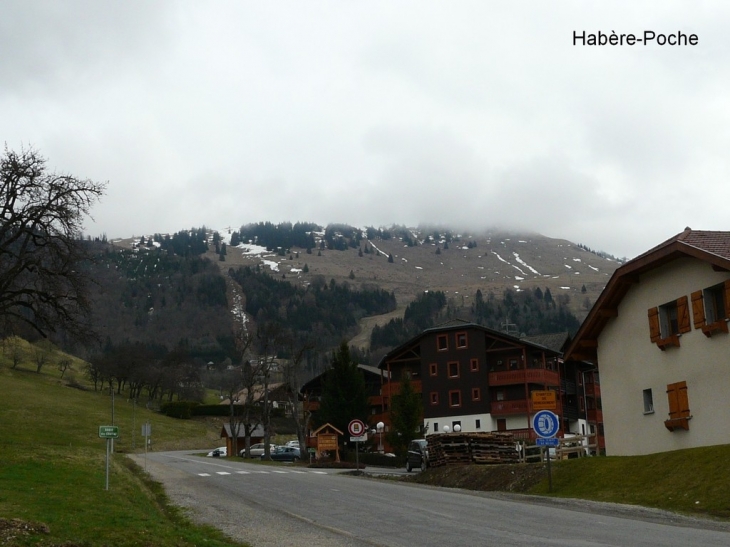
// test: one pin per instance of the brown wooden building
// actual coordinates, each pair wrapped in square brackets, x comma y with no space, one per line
[482,380]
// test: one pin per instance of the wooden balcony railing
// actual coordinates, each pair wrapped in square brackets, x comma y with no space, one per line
[524,376]
[518,406]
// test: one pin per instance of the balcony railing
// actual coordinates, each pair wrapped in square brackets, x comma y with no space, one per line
[524,376]
[518,406]
[595,415]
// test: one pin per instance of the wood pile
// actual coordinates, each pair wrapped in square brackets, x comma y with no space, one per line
[466,448]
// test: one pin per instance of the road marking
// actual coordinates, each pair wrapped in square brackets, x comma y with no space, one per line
[204,474]
[243,472]
[320,472]
[222,473]
[281,472]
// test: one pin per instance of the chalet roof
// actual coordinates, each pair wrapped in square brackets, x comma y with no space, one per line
[314,382]
[555,341]
[460,324]
[708,246]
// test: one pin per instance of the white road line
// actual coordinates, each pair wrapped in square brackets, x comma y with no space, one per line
[204,474]
[222,473]
[243,472]
[320,472]
[281,472]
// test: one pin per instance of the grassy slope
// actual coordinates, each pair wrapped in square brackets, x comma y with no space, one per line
[53,464]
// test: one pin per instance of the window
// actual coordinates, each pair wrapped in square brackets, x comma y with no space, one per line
[648,402]
[668,321]
[710,308]
[678,407]
[474,365]
[501,424]
[582,403]
[513,364]
[442,342]
[453,368]
[434,398]
[433,369]
[435,427]
[500,395]
[461,340]
[476,394]
[455,398]
[478,424]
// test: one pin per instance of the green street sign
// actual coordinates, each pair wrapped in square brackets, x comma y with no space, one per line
[108,432]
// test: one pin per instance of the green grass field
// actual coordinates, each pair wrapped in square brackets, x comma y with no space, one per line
[52,464]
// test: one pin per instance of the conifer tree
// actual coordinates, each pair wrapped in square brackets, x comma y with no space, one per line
[344,395]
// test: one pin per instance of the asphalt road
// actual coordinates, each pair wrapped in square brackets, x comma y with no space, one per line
[286,505]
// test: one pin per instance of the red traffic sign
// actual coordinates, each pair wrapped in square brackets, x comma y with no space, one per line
[356,428]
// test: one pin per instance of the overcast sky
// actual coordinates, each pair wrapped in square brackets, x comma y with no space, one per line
[469,114]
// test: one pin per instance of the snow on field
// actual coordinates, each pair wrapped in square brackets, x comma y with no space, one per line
[518,278]
[593,268]
[525,264]
[569,267]
[502,259]
[374,247]
[296,270]
[566,288]
[576,260]
[418,268]
[271,264]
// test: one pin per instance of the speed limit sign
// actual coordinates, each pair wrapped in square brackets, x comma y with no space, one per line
[356,428]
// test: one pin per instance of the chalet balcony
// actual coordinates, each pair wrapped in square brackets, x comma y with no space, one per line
[518,406]
[524,376]
[393,388]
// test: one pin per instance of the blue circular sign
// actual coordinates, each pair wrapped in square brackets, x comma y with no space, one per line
[546,424]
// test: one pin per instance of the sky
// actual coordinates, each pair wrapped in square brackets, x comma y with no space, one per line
[469,114]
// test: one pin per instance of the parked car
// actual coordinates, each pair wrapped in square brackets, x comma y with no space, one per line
[257,450]
[285,454]
[417,455]
[294,444]
[221,451]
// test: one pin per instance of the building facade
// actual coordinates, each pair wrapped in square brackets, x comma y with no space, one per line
[659,336]
[481,380]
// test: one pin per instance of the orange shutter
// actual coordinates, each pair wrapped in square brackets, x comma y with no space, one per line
[683,315]
[698,309]
[678,400]
[654,332]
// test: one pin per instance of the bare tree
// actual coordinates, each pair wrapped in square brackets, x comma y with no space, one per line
[271,337]
[63,365]
[12,346]
[41,213]
[41,354]
[297,350]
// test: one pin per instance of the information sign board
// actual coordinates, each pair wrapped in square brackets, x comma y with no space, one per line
[108,432]
[544,400]
[547,442]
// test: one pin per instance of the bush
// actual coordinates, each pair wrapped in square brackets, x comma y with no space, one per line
[179,409]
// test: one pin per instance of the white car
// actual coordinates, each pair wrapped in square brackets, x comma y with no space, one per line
[257,450]
[220,452]
[292,444]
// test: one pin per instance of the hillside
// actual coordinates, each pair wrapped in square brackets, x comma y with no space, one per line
[422,260]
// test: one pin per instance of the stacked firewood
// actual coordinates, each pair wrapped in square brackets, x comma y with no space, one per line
[466,448]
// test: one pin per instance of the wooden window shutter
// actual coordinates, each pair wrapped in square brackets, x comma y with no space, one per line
[654,332]
[727,297]
[683,315]
[698,309]
[678,400]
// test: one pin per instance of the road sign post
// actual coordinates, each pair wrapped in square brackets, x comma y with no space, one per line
[108,432]
[356,428]
[546,425]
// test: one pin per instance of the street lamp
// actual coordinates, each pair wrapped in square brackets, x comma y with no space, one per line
[380,426]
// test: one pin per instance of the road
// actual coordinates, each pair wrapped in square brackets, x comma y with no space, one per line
[286,505]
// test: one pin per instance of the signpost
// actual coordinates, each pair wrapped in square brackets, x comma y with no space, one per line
[146,432]
[356,428]
[546,425]
[108,432]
